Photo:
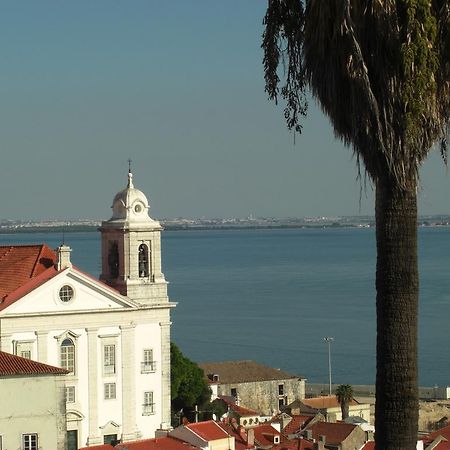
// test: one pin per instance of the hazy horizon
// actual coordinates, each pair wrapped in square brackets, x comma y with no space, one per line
[177,87]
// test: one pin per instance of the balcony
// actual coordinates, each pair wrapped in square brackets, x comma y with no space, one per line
[148,366]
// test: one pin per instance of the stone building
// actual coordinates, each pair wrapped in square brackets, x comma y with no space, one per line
[112,335]
[33,408]
[261,388]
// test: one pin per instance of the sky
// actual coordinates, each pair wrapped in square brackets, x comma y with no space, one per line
[177,87]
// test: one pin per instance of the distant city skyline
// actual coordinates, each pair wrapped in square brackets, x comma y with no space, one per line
[178,88]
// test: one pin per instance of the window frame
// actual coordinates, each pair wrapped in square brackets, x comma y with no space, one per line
[109,359]
[30,445]
[148,405]
[68,354]
[148,365]
[109,389]
[70,394]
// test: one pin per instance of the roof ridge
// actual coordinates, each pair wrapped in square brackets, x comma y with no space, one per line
[41,250]
[9,249]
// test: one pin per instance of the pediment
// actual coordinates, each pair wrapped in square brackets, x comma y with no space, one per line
[70,291]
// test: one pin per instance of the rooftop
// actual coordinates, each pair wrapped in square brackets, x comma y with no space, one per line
[21,263]
[243,372]
[208,430]
[15,365]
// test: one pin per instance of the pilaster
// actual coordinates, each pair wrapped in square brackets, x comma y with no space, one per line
[41,337]
[93,436]
[165,375]
[6,343]
[129,406]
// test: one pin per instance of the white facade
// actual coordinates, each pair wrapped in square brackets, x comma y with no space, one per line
[117,341]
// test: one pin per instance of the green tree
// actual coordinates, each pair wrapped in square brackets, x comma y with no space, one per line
[344,395]
[188,383]
[380,71]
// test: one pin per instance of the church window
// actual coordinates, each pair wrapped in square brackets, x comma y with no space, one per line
[148,406]
[26,354]
[109,359]
[113,259]
[143,261]
[68,355]
[66,293]
[70,394]
[148,365]
[110,391]
[30,441]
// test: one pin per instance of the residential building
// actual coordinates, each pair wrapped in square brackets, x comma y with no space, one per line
[112,334]
[335,436]
[261,388]
[33,408]
[330,408]
[207,435]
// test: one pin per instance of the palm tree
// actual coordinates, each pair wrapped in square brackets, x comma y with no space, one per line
[380,71]
[344,395]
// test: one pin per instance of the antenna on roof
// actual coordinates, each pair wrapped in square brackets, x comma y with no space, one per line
[129,165]
[63,234]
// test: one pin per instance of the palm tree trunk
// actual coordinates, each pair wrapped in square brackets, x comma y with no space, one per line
[397,283]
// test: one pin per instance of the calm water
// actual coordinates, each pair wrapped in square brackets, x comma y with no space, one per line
[272,295]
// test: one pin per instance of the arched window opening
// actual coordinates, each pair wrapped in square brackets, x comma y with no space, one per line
[113,259]
[143,261]
[68,355]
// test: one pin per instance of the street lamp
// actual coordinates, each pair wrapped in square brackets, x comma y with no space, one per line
[329,340]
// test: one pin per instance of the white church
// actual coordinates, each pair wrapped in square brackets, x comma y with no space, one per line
[112,334]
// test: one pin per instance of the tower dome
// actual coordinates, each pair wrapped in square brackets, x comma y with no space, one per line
[130,204]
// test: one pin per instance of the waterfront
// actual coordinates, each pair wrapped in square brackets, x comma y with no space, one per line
[272,295]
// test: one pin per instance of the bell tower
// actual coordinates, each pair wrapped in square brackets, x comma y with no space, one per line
[131,248]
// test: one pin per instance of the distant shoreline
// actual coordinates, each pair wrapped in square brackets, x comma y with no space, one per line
[170,227]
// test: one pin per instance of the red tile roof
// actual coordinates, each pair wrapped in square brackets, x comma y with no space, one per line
[240,410]
[21,265]
[209,430]
[15,365]
[335,433]
[264,434]
[297,423]
[444,432]
[370,445]
[163,443]
[239,442]
[329,401]
[294,444]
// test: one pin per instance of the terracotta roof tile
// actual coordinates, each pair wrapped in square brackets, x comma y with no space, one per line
[370,445]
[264,434]
[294,444]
[21,263]
[15,365]
[240,410]
[444,432]
[163,443]
[239,442]
[208,430]
[297,423]
[329,401]
[243,371]
[335,433]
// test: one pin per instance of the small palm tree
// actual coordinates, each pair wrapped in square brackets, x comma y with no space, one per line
[344,395]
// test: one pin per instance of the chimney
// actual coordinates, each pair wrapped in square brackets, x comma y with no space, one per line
[320,444]
[242,433]
[251,437]
[63,257]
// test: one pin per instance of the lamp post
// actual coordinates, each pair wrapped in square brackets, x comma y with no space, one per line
[329,340]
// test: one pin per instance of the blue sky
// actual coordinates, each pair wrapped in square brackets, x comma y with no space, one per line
[178,88]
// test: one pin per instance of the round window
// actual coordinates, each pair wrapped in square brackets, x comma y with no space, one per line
[66,293]
[137,208]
